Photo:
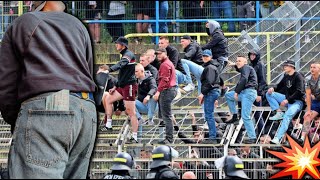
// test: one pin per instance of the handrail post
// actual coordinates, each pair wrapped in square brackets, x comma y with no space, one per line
[157,18]
[268,60]
[198,38]
[20,8]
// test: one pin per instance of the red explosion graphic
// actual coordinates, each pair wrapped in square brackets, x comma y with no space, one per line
[298,160]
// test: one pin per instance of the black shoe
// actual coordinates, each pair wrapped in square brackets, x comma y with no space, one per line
[250,141]
[210,141]
[161,124]
[233,119]
[132,141]
[165,141]
[104,129]
[176,128]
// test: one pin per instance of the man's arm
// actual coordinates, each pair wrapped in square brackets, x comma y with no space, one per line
[10,73]
[243,80]
[164,76]
[152,87]
[123,62]
[299,89]
[214,40]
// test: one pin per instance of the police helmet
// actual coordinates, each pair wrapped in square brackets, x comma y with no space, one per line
[122,161]
[161,156]
[234,166]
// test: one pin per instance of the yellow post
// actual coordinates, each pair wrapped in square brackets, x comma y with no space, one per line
[198,38]
[20,8]
[268,59]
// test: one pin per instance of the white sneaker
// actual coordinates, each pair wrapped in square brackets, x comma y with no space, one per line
[189,87]
[277,116]
[178,96]
[275,141]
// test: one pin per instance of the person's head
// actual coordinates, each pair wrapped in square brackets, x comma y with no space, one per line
[265,139]
[198,135]
[163,42]
[206,55]
[254,55]
[212,26]
[315,68]
[150,53]
[241,61]
[47,6]
[144,60]
[122,161]
[189,175]
[233,167]
[289,67]
[139,71]
[161,54]
[162,156]
[121,43]
[145,153]
[245,151]
[103,68]
[232,152]
[185,41]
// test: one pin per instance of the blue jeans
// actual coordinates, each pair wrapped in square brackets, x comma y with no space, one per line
[274,100]
[226,7]
[195,69]
[149,109]
[183,78]
[247,98]
[209,100]
[52,144]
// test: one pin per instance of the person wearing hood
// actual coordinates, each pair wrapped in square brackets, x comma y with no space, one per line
[209,93]
[218,46]
[260,69]
[147,87]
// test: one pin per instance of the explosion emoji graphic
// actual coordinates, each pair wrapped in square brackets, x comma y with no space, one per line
[298,160]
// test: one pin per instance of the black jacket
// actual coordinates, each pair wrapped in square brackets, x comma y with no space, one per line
[294,87]
[218,43]
[248,79]
[126,65]
[173,55]
[152,70]
[261,71]
[40,54]
[156,64]
[193,52]
[147,86]
[210,77]
[162,172]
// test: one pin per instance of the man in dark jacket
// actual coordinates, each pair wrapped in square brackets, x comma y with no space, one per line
[260,69]
[46,90]
[209,93]
[126,87]
[293,98]
[147,87]
[245,92]
[173,54]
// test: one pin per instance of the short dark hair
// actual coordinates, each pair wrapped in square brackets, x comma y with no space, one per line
[164,37]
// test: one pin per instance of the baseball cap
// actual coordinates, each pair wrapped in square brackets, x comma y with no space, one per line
[38,5]
[289,63]
[207,52]
[186,37]
[122,40]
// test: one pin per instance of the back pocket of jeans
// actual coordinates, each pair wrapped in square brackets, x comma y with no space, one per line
[48,136]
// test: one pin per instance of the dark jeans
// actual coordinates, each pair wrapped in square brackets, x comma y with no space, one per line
[209,100]
[115,29]
[49,144]
[165,100]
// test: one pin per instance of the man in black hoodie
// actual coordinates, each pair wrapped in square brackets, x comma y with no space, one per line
[219,47]
[245,92]
[147,87]
[260,69]
[293,98]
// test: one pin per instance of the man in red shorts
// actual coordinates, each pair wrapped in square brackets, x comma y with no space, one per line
[126,88]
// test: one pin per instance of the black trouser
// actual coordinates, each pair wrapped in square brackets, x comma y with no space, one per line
[165,101]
